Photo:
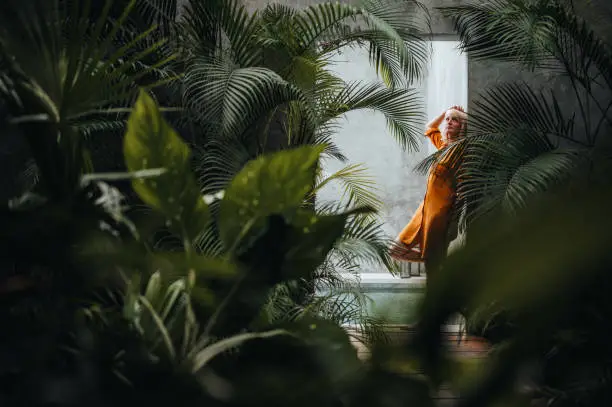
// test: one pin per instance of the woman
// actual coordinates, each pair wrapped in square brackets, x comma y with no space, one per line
[425,238]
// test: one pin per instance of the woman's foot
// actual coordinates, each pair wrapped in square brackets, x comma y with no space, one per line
[403,252]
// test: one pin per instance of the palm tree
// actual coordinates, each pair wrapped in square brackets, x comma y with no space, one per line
[261,82]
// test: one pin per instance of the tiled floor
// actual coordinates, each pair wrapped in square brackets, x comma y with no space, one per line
[458,344]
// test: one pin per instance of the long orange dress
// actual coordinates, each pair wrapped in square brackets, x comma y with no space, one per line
[426,234]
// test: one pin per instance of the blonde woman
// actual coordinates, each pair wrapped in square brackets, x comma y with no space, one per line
[425,238]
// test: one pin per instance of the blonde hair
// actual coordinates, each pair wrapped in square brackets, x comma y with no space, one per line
[456,114]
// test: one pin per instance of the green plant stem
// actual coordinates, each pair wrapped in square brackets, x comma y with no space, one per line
[215,316]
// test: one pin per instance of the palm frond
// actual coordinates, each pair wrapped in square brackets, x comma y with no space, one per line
[344,305]
[517,106]
[230,98]
[327,276]
[359,187]
[302,127]
[222,28]
[402,109]
[505,30]
[158,11]
[364,242]
[92,126]
[218,161]
[393,30]
[400,63]
[67,69]
[349,307]
[209,244]
[515,171]
[540,175]
[545,34]
[62,45]
[579,51]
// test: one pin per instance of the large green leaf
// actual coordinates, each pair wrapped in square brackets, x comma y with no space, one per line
[309,241]
[542,266]
[151,143]
[271,184]
[330,346]
[200,357]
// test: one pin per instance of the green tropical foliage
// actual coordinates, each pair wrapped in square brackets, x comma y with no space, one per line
[197,325]
[187,277]
[166,290]
[523,141]
[211,65]
[263,82]
[63,78]
[533,163]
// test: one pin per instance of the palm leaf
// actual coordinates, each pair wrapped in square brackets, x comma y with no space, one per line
[231,99]
[515,171]
[218,161]
[158,11]
[348,308]
[506,30]
[364,242]
[62,46]
[579,49]
[540,175]
[302,127]
[222,28]
[393,31]
[402,109]
[359,187]
[517,106]
[535,34]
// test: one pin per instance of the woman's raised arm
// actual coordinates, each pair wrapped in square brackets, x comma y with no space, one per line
[435,123]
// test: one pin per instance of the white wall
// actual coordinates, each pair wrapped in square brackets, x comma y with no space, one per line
[447,81]
[364,137]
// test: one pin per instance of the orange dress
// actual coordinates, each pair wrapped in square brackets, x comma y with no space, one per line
[428,228]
